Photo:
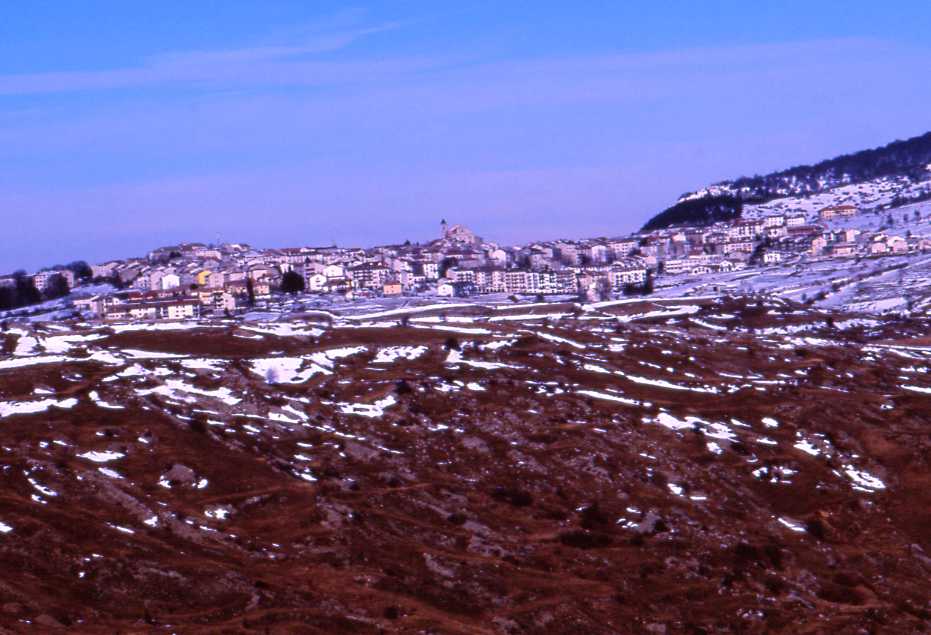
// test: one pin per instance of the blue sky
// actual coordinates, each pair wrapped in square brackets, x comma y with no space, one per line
[124,126]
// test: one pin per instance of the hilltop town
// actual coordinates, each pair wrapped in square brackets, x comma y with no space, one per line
[195,279]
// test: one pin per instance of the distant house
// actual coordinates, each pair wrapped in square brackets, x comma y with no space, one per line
[599,253]
[456,274]
[622,248]
[738,247]
[207,253]
[775,220]
[217,300]
[489,280]
[538,260]
[732,265]
[334,271]
[897,245]
[879,247]
[92,305]
[170,281]
[745,230]
[805,233]
[445,288]
[128,273]
[216,279]
[369,276]
[777,231]
[675,266]
[240,289]
[846,235]
[103,271]
[838,211]
[316,283]
[392,288]
[42,279]
[499,257]
[159,310]
[338,285]
[568,252]
[547,282]
[817,245]
[883,244]
[843,250]
[260,271]
[515,281]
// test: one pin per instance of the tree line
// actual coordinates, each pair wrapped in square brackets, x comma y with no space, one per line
[23,292]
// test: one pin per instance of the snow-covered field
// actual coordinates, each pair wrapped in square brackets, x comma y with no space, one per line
[870,285]
[871,196]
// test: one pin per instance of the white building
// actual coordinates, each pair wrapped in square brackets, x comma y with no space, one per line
[334,271]
[316,282]
[628,275]
[41,280]
[445,288]
[776,220]
[170,281]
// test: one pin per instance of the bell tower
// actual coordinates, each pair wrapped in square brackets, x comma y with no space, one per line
[443,228]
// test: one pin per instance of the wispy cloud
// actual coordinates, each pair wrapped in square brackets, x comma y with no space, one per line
[323,43]
[261,64]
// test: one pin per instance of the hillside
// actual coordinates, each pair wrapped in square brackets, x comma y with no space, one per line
[902,163]
[706,210]
[686,466]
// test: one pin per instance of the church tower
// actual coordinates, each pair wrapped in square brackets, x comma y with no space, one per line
[444,229]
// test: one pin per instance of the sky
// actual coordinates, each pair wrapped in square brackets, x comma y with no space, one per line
[129,125]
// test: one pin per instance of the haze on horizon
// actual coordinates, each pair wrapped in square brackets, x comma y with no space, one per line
[128,126]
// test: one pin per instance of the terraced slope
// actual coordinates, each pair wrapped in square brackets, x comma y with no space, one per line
[684,467]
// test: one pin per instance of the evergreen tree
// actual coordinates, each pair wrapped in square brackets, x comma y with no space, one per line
[250,291]
[80,269]
[56,287]
[7,297]
[26,292]
[292,282]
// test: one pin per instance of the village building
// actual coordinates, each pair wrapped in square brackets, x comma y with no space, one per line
[169,281]
[837,211]
[368,276]
[843,250]
[621,276]
[392,288]
[734,247]
[217,300]
[818,245]
[158,310]
[42,279]
[772,257]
